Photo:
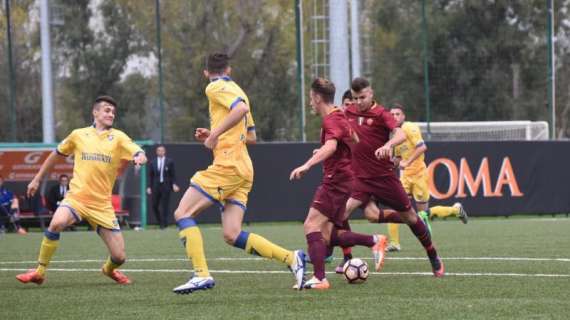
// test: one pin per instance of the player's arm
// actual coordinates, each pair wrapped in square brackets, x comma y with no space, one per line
[251,137]
[132,151]
[319,156]
[418,151]
[386,151]
[45,168]
[234,117]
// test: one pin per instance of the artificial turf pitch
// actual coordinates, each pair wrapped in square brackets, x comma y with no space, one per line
[497,268]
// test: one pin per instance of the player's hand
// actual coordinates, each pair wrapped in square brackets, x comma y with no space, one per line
[175,188]
[404,164]
[211,142]
[299,172]
[384,152]
[140,159]
[315,151]
[396,162]
[201,134]
[148,191]
[32,188]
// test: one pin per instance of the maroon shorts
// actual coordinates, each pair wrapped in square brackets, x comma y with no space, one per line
[331,202]
[388,190]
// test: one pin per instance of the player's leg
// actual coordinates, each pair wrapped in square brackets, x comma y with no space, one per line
[165,210]
[115,243]
[255,244]
[64,216]
[348,238]
[391,193]
[317,247]
[456,210]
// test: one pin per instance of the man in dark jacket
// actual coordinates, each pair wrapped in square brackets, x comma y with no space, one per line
[57,193]
[162,180]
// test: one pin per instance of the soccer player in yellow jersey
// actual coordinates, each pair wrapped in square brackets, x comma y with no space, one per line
[414,178]
[98,151]
[227,182]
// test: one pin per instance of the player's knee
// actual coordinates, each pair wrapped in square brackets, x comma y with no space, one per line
[230,235]
[179,214]
[56,226]
[310,226]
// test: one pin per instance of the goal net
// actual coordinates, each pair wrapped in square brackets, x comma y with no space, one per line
[486,130]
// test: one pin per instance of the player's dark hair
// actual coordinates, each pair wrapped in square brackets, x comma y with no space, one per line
[63,176]
[324,88]
[217,62]
[397,105]
[107,99]
[359,84]
[347,95]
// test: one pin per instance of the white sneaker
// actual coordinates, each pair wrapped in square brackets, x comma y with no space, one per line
[298,268]
[194,284]
[317,284]
[462,213]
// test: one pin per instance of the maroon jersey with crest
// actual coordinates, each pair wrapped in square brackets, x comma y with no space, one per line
[373,128]
[337,168]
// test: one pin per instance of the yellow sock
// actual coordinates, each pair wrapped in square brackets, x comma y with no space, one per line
[260,246]
[394,233]
[110,265]
[443,212]
[47,249]
[192,239]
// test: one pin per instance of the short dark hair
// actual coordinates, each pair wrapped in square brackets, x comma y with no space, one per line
[397,105]
[63,176]
[359,84]
[324,88]
[107,99]
[217,62]
[347,95]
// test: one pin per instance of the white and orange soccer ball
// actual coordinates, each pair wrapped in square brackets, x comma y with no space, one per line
[355,270]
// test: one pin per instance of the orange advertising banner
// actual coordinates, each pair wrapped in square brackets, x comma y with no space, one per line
[22,165]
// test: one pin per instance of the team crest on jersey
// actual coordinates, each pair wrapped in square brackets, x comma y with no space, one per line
[369,121]
[110,137]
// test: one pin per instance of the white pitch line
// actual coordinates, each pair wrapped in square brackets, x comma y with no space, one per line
[260,259]
[262,272]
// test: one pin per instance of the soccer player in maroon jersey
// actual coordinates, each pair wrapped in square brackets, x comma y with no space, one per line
[374,173]
[324,222]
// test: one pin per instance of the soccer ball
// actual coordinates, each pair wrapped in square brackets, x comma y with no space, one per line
[355,271]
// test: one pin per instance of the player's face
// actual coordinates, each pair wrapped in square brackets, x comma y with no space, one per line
[363,99]
[104,114]
[398,115]
[346,103]
[314,100]
[160,151]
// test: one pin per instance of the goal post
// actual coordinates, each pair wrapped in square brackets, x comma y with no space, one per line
[486,130]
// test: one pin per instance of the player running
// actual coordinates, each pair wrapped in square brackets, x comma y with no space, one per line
[99,152]
[413,175]
[374,173]
[324,223]
[226,183]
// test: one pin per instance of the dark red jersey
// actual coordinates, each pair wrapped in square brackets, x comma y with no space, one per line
[373,128]
[337,168]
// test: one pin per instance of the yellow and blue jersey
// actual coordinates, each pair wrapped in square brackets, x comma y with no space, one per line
[97,159]
[230,154]
[406,149]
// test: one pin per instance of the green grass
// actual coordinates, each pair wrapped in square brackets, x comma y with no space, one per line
[512,292]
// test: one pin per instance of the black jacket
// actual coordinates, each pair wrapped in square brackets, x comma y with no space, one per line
[169,174]
[53,197]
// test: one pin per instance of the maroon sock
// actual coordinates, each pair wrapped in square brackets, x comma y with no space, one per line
[349,239]
[393,217]
[317,252]
[421,232]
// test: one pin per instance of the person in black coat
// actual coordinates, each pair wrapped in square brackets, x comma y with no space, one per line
[162,179]
[57,193]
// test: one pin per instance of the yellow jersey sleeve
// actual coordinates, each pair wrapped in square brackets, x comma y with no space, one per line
[414,135]
[67,146]
[127,147]
[224,97]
